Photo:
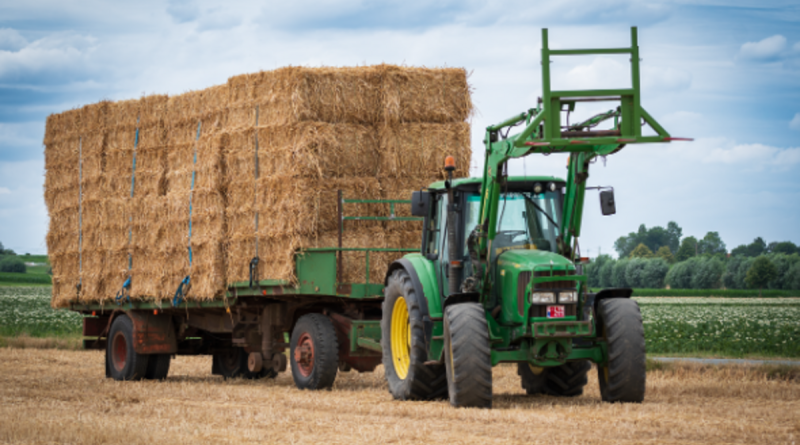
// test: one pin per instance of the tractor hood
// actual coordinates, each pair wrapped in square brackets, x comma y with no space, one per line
[528,260]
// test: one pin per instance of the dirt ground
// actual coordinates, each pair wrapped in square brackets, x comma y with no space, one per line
[56,396]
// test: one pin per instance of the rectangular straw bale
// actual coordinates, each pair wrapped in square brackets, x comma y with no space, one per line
[300,206]
[62,126]
[63,233]
[150,172]
[276,258]
[241,106]
[419,149]
[92,274]
[94,215]
[118,171]
[318,149]
[115,224]
[241,248]
[208,268]
[123,114]
[354,262]
[94,118]
[184,108]
[437,95]
[63,290]
[152,110]
[209,169]
[240,155]
[94,164]
[326,94]
[115,272]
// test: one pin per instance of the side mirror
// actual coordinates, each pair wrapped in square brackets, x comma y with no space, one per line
[607,204]
[420,203]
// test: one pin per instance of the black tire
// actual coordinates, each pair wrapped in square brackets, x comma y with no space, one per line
[314,353]
[419,381]
[158,366]
[623,378]
[566,380]
[123,362]
[233,363]
[468,357]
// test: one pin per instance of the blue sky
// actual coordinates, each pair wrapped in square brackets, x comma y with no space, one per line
[724,73]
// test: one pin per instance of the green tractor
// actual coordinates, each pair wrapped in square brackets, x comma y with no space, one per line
[499,278]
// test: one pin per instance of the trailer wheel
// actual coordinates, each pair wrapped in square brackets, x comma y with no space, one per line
[314,352]
[123,362]
[566,380]
[404,346]
[233,363]
[622,379]
[158,366]
[468,356]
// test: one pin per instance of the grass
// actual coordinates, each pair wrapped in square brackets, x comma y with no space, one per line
[63,397]
[729,327]
[13,278]
[35,258]
[737,293]
[26,311]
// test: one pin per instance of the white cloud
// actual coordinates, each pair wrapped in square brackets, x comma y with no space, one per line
[795,122]
[5,191]
[11,40]
[724,151]
[766,49]
[57,54]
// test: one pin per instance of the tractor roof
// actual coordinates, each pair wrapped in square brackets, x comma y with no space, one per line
[477,181]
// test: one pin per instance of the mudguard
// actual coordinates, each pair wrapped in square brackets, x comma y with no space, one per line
[423,278]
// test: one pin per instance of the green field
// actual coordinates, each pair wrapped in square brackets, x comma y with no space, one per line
[732,327]
[734,293]
[27,311]
[34,275]
[689,326]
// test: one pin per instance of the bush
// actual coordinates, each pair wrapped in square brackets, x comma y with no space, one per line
[618,278]
[12,264]
[680,276]
[654,273]
[633,272]
[708,273]
[792,278]
[783,263]
[605,273]
[761,273]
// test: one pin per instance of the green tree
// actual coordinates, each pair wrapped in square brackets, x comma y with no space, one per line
[711,244]
[593,269]
[687,250]
[618,274]
[760,273]
[707,273]
[606,271]
[12,264]
[785,247]
[674,234]
[641,251]
[653,238]
[680,275]
[793,277]
[634,271]
[665,253]
[783,263]
[654,273]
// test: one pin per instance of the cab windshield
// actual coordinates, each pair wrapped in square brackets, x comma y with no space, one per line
[525,219]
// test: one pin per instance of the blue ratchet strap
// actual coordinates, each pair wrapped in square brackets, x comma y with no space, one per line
[181,292]
[122,294]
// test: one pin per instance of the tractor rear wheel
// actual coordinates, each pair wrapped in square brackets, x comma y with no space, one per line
[158,367]
[314,352]
[122,361]
[233,363]
[404,346]
[566,380]
[622,379]
[468,357]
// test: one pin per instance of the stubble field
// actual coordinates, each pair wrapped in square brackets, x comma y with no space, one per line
[54,396]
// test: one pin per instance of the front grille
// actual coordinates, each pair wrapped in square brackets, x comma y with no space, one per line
[522,284]
[541,310]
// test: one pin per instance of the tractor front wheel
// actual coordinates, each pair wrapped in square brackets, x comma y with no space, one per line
[404,346]
[623,377]
[468,356]
[314,352]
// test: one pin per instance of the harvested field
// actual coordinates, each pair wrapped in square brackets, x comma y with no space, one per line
[60,396]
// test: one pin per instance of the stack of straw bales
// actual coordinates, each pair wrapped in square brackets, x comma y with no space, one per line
[268,152]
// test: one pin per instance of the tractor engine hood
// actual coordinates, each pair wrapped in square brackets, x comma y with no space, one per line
[520,260]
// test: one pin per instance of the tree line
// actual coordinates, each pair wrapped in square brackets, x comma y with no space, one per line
[646,260]
[9,262]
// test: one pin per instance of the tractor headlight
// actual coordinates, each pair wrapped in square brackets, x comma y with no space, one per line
[568,297]
[543,297]
[537,188]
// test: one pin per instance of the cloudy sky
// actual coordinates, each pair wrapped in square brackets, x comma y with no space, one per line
[724,73]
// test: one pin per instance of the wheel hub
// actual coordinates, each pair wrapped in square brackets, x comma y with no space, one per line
[304,354]
[119,351]
[401,338]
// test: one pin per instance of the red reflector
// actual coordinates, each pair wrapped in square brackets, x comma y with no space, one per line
[155,311]
[584,260]
[263,292]
[678,139]
[94,314]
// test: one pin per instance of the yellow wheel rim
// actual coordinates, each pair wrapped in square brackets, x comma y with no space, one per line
[536,370]
[401,338]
